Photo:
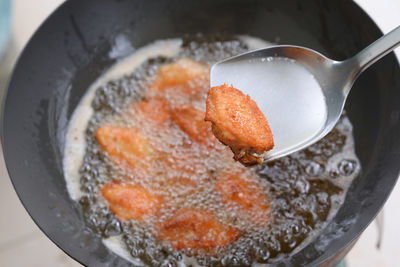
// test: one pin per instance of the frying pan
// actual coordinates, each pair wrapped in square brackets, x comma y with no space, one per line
[72,48]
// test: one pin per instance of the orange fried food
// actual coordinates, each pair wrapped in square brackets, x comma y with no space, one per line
[154,111]
[179,73]
[126,147]
[242,190]
[130,202]
[191,121]
[183,77]
[195,229]
[239,123]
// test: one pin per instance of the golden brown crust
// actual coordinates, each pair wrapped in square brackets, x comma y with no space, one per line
[241,189]
[238,123]
[183,78]
[130,202]
[191,121]
[153,111]
[190,228]
[126,147]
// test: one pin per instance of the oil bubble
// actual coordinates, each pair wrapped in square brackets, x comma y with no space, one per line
[314,169]
[347,167]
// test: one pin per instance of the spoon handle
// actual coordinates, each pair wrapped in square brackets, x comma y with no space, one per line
[377,50]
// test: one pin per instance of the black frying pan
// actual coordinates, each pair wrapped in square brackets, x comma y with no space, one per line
[71,49]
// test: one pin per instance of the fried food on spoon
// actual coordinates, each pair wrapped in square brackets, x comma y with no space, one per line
[241,189]
[190,228]
[238,123]
[126,147]
[130,202]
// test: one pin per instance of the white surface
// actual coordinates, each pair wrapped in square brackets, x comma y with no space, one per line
[22,243]
[27,17]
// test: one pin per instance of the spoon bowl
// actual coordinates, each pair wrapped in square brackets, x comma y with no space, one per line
[301,92]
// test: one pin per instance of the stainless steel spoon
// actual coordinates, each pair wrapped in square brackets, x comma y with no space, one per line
[300,91]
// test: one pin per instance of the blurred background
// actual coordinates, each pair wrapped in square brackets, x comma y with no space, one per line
[21,241]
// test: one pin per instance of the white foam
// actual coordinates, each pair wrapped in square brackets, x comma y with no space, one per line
[116,245]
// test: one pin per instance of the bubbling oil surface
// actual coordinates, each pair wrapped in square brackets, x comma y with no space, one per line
[305,188]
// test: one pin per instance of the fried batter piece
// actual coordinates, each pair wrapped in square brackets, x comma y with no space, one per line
[238,123]
[154,111]
[126,147]
[130,202]
[183,77]
[191,121]
[241,189]
[195,229]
